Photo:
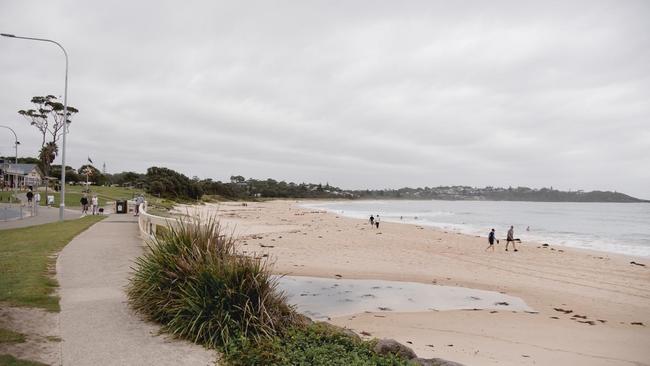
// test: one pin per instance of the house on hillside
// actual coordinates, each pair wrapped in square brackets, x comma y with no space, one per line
[25,175]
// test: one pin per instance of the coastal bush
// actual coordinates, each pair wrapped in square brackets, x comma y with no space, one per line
[192,281]
[313,345]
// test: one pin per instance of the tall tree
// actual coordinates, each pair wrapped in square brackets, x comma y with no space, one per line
[48,117]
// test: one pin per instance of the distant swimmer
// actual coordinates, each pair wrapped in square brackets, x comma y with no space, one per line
[527,228]
[377,221]
[511,238]
[491,239]
[372,220]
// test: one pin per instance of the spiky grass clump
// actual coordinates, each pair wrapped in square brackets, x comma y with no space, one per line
[193,281]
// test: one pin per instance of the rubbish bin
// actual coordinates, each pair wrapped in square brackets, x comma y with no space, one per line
[121,207]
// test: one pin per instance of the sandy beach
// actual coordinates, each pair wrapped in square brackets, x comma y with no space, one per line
[590,308]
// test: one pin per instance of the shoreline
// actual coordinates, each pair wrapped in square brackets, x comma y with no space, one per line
[588,303]
[536,241]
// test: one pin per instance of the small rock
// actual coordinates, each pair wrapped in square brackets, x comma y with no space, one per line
[563,310]
[638,323]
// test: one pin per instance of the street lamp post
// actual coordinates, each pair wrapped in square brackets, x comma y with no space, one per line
[16,146]
[65,115]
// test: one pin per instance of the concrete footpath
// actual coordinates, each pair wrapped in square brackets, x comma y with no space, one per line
[96,324]
[45,215]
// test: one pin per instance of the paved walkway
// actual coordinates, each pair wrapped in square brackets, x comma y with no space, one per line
[96,324]
[45,216]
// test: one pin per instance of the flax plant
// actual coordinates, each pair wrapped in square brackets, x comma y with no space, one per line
[193,280]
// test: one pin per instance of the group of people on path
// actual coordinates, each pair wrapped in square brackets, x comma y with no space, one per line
[93,204]
[510,239]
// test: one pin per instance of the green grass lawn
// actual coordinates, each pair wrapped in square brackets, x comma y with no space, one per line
[8,360]
[73,195]
[26,265]
[6,197]
[9,336]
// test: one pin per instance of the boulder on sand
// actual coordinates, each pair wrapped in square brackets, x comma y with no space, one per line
[391,346]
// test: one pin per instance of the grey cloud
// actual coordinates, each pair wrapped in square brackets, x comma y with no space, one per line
[359,94]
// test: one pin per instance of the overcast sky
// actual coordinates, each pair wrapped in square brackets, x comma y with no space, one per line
[379,94]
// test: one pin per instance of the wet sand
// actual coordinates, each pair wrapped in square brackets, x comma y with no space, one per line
[593,308]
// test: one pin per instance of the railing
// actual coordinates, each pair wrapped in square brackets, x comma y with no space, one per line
[149,224]
[17,211]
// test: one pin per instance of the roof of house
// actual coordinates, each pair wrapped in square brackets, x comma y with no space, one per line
[21,169]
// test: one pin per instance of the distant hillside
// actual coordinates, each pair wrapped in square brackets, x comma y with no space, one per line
[495,194]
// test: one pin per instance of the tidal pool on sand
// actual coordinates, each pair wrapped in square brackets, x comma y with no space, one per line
[322,298]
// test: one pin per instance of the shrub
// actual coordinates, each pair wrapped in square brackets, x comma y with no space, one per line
[313,345]
[195,283]
[192,281]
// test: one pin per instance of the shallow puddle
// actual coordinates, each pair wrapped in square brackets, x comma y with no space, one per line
[322,298]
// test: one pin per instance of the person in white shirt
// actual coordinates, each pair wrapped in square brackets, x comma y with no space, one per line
[94,202]
[37,201]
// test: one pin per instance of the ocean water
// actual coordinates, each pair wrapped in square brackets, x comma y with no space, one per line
[622,228]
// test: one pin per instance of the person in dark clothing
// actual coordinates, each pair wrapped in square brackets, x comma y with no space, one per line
[30,197]
[84,204]
[372,220]
[491,239]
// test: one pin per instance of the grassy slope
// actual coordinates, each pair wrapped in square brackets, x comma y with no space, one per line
[7,360]
[74,193]
[9,336]
[6,196]
[25,259]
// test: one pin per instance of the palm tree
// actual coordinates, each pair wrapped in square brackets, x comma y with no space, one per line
[47,155]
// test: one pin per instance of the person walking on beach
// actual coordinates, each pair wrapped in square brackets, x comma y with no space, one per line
[372,220]
[377,221]
[84,204]
[491,239]
[511,238]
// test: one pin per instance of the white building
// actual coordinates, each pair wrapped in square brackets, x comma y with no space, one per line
[24,174]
